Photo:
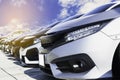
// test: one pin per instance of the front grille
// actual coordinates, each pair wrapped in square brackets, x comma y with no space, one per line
[32,54]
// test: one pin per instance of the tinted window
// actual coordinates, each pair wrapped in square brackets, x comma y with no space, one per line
[116,6]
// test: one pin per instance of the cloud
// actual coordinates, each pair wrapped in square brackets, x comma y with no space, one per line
[102,1]
[14,27]
[64,13]
[18,3]
[92,5]
[67,4]
[83,6]
[86,8]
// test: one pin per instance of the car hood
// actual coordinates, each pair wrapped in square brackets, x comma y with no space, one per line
[85,20]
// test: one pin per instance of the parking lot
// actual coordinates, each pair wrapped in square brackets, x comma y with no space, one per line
[71,39]
[10,69]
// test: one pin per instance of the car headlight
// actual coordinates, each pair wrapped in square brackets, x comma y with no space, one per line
[82,32]
[36,41]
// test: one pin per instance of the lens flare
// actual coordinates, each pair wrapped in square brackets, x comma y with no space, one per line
[14,21]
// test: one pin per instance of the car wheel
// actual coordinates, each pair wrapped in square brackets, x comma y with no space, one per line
[116,63]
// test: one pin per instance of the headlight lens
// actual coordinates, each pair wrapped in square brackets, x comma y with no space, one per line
[82,32]
[37,40]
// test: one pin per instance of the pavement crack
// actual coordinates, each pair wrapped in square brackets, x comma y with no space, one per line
[8,73]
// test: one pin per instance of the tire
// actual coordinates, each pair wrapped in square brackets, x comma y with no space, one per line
[116,63]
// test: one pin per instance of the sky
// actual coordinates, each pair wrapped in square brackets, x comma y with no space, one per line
[32,14]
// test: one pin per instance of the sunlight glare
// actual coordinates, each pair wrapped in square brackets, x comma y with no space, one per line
[14,21]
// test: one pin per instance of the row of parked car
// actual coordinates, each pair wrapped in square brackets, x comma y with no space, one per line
[81,47]
[24,47]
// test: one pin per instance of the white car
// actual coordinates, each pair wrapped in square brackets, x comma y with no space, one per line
[86,47]
[29,50]
[31,47]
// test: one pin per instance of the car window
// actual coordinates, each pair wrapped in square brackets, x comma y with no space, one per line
[116,6]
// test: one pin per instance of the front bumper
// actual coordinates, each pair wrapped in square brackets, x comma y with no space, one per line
[99,47]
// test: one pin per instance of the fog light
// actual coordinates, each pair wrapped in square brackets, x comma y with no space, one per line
[74,64]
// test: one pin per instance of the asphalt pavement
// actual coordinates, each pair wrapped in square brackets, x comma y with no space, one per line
[10,69]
